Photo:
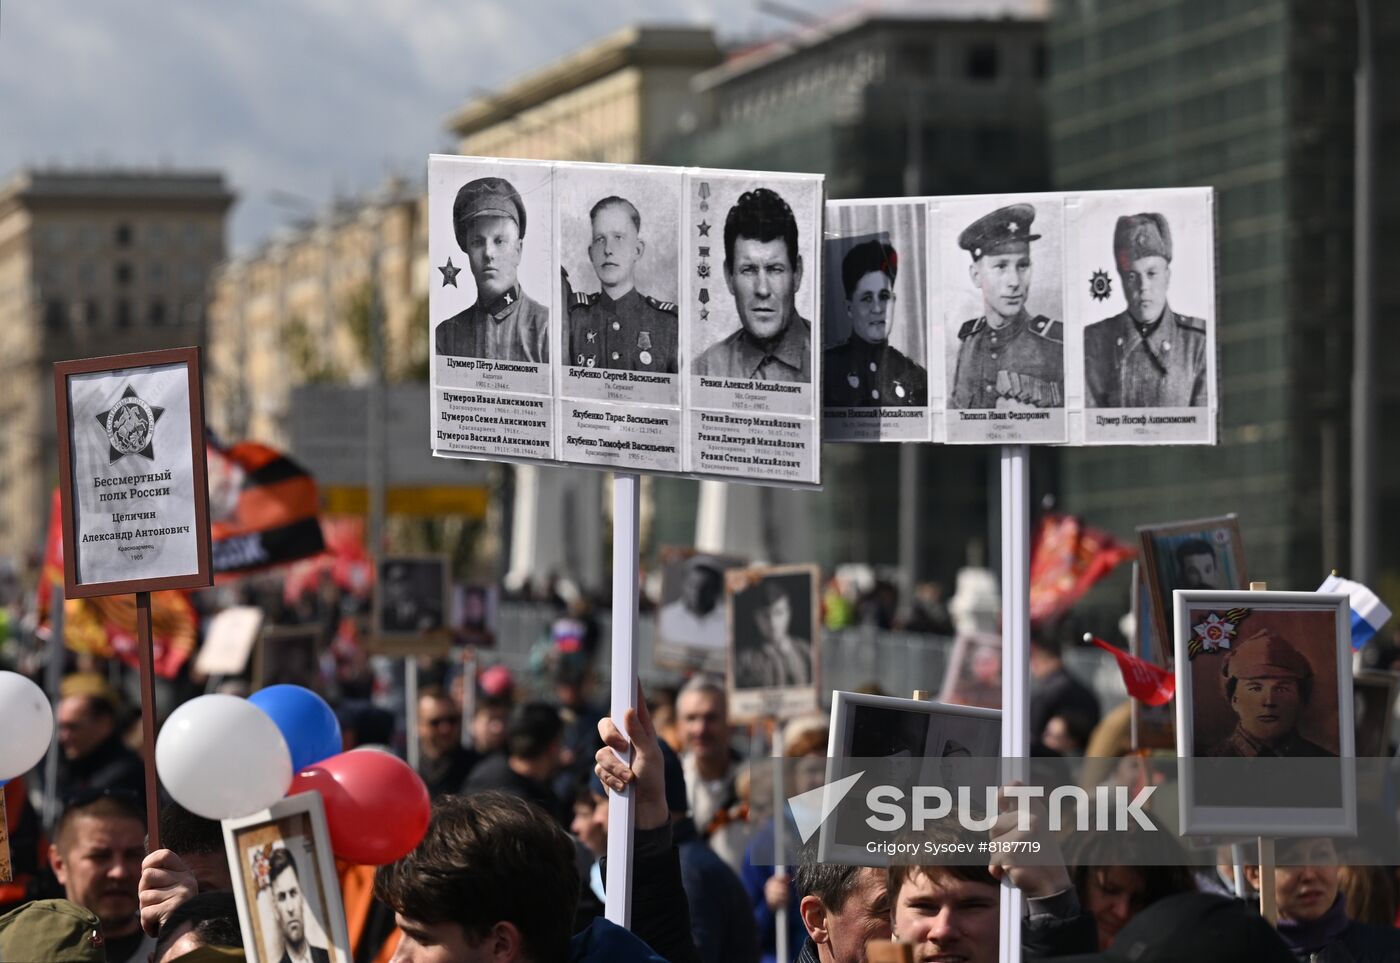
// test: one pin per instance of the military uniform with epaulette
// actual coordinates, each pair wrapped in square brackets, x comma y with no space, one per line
[635,332]
[858,374]
[1020,361]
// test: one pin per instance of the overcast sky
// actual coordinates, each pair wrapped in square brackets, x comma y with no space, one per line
[308,97]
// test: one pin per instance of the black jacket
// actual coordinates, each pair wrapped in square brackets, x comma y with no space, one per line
[660,913]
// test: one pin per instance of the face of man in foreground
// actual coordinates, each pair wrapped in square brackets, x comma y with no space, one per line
[99,866]
[494,247]
[862,919]
[1005,281]
[764,284]
[948,919]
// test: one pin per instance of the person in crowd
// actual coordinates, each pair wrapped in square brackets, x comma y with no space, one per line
[364,724]
[53,930]
[843,908]
[534,755]
[1196,927]
[192,862]
[28,846]
[1117,876]
[90,738]
[96,855]
[1369,892]
[209,919]
[573,693]
[1312,912]
[489,723]
[443,763]
[1054,689]
[1067,732]
[711,766]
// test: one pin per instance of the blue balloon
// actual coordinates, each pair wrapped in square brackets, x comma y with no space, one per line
[306,721]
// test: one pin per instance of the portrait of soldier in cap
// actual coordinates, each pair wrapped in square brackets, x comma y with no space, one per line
[1268,684]
[698,616]
[1147,356]
[763,272]
[505,323]
[866,370]
[618,326]
[1006,357]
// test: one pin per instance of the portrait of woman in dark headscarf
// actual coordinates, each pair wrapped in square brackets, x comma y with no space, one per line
[866,370]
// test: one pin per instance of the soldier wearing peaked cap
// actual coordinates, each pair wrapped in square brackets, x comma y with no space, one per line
[866,370]
[1268,683]
[1006,357]
[619,327]
[505,323]
[1147,356]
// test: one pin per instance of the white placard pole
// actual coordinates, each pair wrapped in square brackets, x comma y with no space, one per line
[622,812]
[1015,647]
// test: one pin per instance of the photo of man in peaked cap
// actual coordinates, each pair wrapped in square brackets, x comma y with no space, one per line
[762,270]
[619,327]
[1268,684]
[866,370]
[505,323]
[1147,356]
[1006,358]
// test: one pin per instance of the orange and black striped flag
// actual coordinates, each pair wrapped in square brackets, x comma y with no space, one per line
[262,508]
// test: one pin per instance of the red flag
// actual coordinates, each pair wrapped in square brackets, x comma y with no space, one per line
[1067,558]
[1146,682]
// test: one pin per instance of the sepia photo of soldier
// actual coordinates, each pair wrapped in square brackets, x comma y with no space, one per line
[619,327]
[1268,684]
[1006,358]
[866,370]
[763,271]
[505,323]
[1147,356]
[289,906]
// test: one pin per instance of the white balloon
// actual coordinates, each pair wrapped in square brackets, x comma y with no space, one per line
[222,757]
[26,719]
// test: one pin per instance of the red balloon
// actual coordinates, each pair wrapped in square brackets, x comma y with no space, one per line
[377,807]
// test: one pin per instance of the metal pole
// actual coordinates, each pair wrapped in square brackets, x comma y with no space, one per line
[1363,426]
[1015,644]
[622,812]
[410,685]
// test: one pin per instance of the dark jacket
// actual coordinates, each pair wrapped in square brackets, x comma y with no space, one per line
[1057,926]
[720,920]
[111,765]
[660,913]
[448,773]
[1336,939]
[494,772]
[605,942]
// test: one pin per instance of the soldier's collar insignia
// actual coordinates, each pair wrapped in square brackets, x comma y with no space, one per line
[591,336]
[130,425]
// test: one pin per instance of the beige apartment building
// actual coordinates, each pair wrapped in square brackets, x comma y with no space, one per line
[92,262]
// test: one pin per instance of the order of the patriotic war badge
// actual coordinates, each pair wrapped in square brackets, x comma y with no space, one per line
[131,426]
[1100,286]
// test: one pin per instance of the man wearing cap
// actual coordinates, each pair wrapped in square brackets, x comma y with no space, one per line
[1006,357]
[55,930]
[505,324]
[1268,683]
[763,271]
[696,618]
[1147,356]
[619,327]
[866,370]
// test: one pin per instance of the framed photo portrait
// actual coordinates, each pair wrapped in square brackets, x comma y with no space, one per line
[1375,711]
[474,608]
[1153,727]
[1204,553]
[774,651]
[412,604]
[285,884]
[287,654]
[910,742]
[133,482]
[692,622]
[1264,712]
[973,677]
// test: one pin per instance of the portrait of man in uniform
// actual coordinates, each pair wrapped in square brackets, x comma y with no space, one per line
[763,271]
[1197,566]
[1146,356]
[505,323]
[1268,684]
[289,906]
[618,326]
[866,370]
[1006,357]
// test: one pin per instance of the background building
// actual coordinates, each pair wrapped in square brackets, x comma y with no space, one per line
[1255,98]
[110,257]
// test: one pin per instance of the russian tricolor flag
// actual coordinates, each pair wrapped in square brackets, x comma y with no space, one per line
[1368,613]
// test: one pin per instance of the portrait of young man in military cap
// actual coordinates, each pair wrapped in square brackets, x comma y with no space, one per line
[763,272]
[1148,355]
[489,219]
[1007,356]
[618,326]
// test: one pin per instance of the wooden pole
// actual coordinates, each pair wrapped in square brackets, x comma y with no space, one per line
[6,873]
[145,646]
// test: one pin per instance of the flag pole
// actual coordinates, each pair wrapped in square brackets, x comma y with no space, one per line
[145,645]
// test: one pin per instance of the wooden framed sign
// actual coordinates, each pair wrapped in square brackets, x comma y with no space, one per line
[132,476]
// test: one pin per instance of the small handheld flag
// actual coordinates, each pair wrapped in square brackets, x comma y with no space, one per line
[1147,683]
[1368,612]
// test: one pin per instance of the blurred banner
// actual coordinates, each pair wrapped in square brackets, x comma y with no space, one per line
[1067,558]
[262,508]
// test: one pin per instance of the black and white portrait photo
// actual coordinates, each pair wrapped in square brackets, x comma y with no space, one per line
[875,308]
[285,884]
[773,645]
[618,237]
[492,284]
[411,597]
[753,254]
[693,620]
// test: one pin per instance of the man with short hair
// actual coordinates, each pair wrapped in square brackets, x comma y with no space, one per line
[1147,356]
[192,862]
[618,327]
[96,855]
[1196,565]
[505,323]
[843,908]
[89,735]
[710,765]
[762,270]
[209,919]
[289,906]
[1006,357]
[444,764]
[534,755]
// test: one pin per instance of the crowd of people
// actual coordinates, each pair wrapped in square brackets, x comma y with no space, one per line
[513,866]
